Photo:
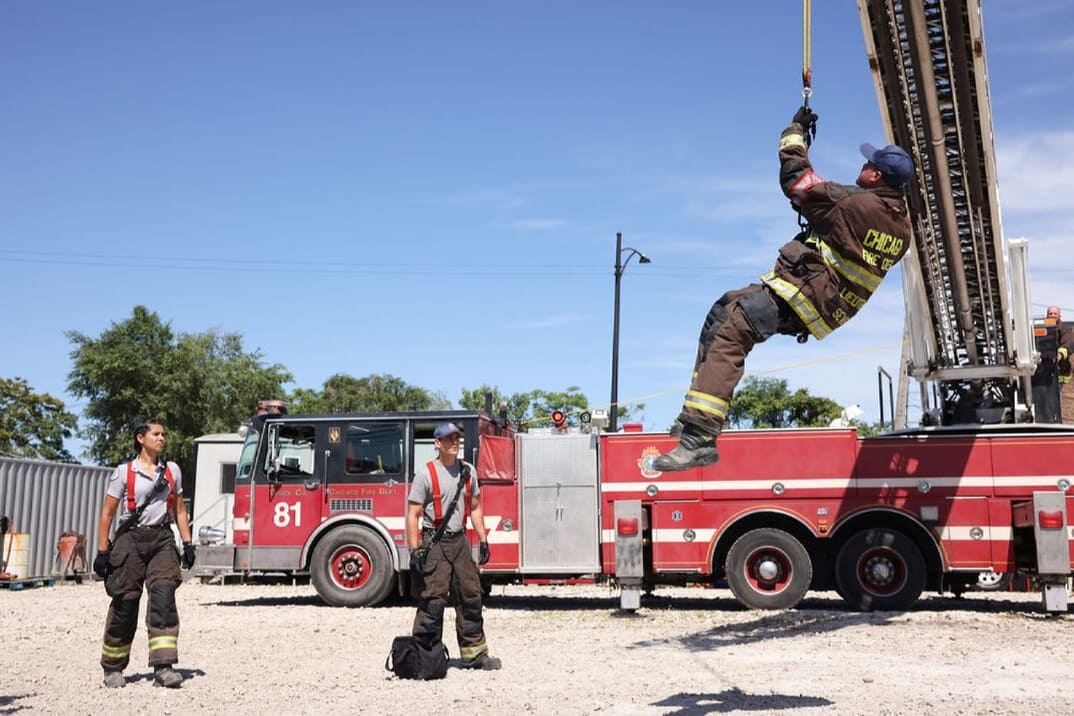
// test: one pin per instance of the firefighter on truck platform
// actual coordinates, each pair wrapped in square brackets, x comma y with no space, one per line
[147,492]
[445,565]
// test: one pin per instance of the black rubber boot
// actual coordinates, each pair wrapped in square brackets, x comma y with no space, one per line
[695,449]
[167,676]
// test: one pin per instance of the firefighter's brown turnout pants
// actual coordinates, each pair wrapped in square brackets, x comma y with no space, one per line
[737,322]
[142,556]
[450,569]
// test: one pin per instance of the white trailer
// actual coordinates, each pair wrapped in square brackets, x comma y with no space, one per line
[215,459]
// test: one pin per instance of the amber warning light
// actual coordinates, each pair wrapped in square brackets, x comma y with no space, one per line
[627,525]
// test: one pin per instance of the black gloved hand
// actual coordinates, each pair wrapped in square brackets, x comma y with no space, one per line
[805,117]
[417,560]
[483,553]
[100,563]
[188,555]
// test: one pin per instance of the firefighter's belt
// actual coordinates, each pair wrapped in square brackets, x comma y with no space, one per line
[448,534]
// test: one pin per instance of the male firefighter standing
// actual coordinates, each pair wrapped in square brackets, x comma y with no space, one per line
[821,279]
[444,490]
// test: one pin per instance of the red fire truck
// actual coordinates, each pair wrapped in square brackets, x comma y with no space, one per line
[784,511]
[979,488]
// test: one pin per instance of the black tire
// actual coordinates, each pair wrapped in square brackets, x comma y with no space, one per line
[352,567]
[880,569]
[993,581]
[768,569]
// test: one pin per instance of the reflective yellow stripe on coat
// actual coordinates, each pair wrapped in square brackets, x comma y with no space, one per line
[800,304]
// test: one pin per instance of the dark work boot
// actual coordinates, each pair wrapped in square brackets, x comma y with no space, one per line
[695,449]
[167,676]
[484,662]
[114,679]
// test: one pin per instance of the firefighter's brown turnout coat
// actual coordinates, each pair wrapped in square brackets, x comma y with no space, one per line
[856,236]
[820,281]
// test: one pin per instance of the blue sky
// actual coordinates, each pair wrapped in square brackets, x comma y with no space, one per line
[432,190]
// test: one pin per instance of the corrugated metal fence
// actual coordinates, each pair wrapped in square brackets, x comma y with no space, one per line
[47,499]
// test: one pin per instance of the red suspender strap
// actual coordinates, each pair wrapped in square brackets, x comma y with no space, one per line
[131,506]
[130,487]
[438,509]
[171,486]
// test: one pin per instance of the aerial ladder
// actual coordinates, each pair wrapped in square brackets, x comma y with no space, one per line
[969,330]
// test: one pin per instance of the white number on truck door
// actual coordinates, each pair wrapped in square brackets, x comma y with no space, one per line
[282,518]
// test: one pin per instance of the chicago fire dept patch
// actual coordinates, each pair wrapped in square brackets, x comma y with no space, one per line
[645,462]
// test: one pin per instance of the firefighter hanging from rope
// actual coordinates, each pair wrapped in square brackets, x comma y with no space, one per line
[852,235]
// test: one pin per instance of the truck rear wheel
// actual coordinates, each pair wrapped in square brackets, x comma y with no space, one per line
[991,581]
[880,569]
[351,567]
[768,569]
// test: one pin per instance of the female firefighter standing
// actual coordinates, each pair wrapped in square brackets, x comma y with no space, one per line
[147,492]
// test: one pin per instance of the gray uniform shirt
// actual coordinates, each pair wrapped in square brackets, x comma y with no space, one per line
[157,511]
[421,492]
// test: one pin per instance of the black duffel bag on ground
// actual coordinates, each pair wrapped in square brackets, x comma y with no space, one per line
[410,659]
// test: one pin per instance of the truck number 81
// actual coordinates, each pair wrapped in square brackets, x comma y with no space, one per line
[282,518]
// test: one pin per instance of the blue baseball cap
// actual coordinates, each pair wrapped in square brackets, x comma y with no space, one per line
[445,429]
[893,162]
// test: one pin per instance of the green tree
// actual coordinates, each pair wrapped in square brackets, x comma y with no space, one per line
[868,430]
[33,425]
[768,403]
[531,409]
[194,384]
[343,393]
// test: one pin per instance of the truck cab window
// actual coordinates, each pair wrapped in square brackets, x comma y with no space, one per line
[375,448]
[292,452]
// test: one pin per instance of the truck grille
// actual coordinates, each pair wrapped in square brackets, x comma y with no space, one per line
[363,505]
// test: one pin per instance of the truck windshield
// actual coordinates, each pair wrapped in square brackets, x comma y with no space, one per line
[246,458]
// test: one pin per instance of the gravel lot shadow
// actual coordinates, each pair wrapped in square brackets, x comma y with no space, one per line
[8,703]
[705,600]
[290,600]
[690,704]
[817,616]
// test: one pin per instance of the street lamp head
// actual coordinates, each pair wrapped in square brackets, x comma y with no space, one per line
[643,259]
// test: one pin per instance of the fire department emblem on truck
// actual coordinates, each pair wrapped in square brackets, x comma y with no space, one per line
[645,463]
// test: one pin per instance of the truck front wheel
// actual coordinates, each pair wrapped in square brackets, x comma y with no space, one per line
[768,569]
[351,567]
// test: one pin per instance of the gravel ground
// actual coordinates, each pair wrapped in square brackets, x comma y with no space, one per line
[258,649]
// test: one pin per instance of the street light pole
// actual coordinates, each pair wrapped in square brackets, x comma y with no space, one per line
[620,266]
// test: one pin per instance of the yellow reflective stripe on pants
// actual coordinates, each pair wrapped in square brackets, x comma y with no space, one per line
[799,303]
[855,273]
[115,652]
[706,403]
[469,653]
[163,642]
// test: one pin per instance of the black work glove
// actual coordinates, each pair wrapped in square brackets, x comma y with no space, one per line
[808,120]
[483,553]
[188,555]
[417,560]
[805,117]
[100,563]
